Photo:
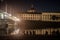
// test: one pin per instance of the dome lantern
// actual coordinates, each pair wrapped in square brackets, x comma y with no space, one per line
[32,9]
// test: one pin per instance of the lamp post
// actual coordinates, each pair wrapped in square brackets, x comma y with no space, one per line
[6,12]
[3,15]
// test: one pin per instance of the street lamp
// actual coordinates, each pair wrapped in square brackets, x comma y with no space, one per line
[3,15]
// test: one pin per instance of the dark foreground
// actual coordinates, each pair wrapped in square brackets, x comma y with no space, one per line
[31,37]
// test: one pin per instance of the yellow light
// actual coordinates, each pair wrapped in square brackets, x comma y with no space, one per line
[16,19]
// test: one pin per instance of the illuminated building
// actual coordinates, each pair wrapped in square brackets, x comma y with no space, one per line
[33,22]
[39,23]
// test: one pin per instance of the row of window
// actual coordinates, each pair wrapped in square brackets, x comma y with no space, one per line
[50,17]
[40,32]
[31,16]
[37,17]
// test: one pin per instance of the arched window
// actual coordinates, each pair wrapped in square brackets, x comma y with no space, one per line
[53,17]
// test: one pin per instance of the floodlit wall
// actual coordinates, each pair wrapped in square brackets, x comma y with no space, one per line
[45,16]
[51,17]
[31,16]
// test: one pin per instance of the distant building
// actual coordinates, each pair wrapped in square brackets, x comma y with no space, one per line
[41,22]
[33,22]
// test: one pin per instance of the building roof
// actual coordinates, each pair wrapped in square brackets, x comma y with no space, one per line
[30,13]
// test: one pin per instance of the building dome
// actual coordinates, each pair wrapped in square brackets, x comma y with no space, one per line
[32,9]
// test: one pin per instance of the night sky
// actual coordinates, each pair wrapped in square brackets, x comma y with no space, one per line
[40,5]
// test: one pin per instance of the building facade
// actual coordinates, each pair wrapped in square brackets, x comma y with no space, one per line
[40,23]
[32,22]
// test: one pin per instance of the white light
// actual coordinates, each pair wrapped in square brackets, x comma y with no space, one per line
[16,19]
[2,16]
[16,32]
[9,14]
[5,15]
[11,17]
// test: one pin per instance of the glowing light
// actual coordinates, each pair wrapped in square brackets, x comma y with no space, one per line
[2,16]
[11,17]
[16,32]
[5,15]
[16,19]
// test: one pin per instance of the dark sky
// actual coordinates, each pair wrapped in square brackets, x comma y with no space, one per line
[40,5]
